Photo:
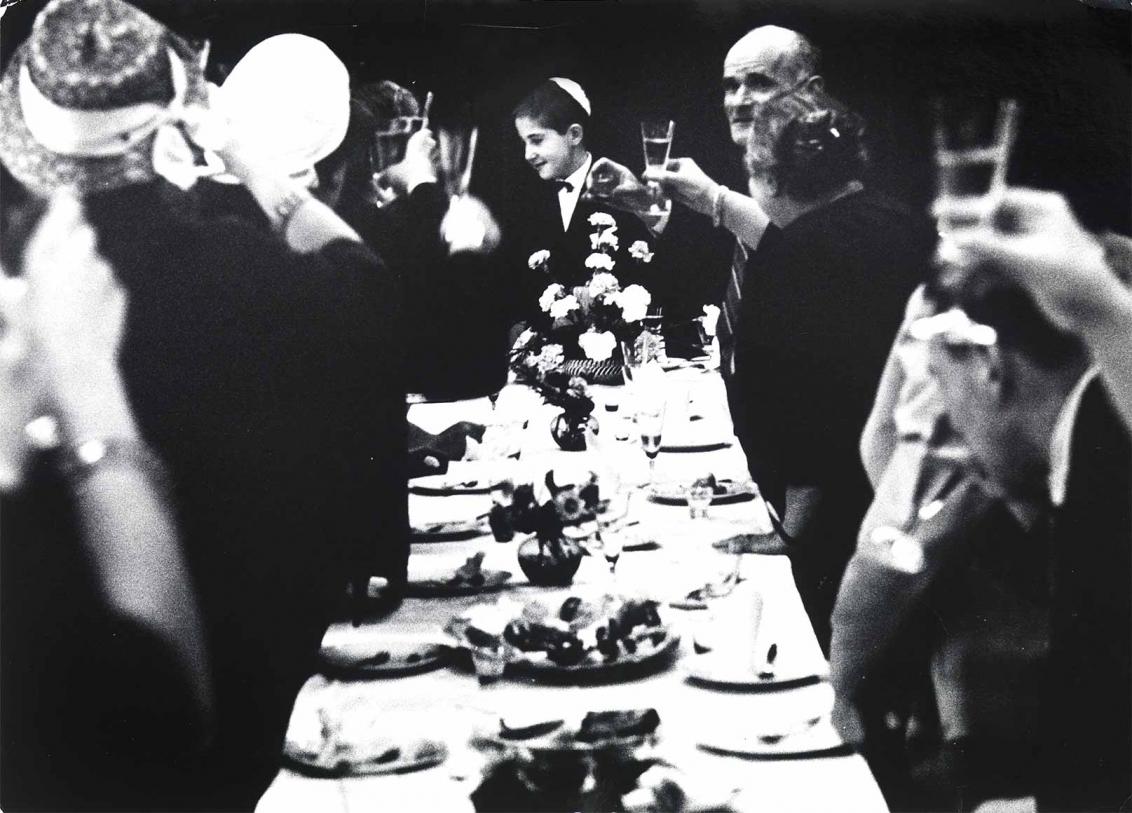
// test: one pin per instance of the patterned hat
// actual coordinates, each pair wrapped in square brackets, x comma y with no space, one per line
[86,100]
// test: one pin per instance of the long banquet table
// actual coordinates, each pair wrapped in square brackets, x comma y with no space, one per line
[448,703]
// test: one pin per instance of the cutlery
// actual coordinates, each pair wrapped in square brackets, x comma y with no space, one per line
[771,739]
[767,670]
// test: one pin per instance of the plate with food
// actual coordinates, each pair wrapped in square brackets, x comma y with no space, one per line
[572,639]
[331,745]
[450,530]
[474,477]
[595,731]
[724,491]
[753,672]
[469,579]
[377,658]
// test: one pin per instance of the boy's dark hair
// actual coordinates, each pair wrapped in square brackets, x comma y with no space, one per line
[989,298]
[551,107]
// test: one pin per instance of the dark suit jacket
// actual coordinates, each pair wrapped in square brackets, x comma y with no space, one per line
[535,223]
[264,381]
[1086,719]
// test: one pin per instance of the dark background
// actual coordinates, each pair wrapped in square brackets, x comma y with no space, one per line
[1068,63]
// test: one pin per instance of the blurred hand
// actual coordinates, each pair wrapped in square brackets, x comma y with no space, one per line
[686,183]
[75,317]
[1033,238]
[617,186]
[468,226]
[1026,804]
[76,308]
[19,385]
[417,167]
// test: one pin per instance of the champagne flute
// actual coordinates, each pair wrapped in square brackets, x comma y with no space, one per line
[457,149]
[656,138]
[974,139]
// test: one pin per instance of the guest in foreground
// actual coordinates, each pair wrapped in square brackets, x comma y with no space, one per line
[835,266]
[1037,414]
[256,373]
[111,599]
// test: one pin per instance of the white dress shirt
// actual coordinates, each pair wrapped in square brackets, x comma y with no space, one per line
[568,199]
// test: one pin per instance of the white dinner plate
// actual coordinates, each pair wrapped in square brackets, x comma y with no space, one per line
[462,477]
[738,674]
[788,740]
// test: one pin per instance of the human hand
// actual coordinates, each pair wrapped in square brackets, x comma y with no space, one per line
[75,318]
[469,226]
[617,186]
[19,385]
[1033,238]
[453,441]
[417,167]
[689,185]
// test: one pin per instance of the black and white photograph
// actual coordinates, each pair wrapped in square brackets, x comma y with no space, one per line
[691,406]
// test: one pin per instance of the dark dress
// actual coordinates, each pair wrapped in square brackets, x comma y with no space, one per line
[822,299]
[1086,717]
[265,381]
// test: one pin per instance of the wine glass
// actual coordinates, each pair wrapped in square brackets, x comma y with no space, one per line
[973,142]
[656,138]
[650,425]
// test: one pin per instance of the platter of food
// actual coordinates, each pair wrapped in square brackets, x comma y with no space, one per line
[451,530]
[572,640]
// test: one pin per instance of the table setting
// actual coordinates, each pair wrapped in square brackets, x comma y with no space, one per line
[661,668]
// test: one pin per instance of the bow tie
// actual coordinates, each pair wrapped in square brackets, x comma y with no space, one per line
[560,185]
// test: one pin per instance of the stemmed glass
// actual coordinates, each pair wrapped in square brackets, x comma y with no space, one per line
[656,138]
[608,539]
[650,425]
[973,142]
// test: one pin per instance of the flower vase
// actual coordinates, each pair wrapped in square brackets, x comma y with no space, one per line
[569,430]
[550,563]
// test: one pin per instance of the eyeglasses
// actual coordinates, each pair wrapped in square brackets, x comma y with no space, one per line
[955,328]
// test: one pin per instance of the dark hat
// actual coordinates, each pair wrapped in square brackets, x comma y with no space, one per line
[83,99]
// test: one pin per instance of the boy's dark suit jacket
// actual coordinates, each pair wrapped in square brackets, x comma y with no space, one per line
[535,223]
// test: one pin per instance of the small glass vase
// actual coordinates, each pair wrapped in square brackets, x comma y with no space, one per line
[569,430]
[550,563]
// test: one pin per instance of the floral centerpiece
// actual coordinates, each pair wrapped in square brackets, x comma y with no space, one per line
[587,323]
[548,557]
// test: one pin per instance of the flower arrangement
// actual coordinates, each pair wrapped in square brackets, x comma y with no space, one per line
[531,509]
[593,317]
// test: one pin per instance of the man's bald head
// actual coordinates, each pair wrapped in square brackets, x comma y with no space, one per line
[765,62]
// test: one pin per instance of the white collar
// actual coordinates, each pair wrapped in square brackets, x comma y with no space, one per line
[568,200]
[1062,437]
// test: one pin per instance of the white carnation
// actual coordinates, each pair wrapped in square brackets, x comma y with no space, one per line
[604,239]
[563,306]
[634,302]
[640,251]
[597,346]
[538,258]
[602,283]
[603,219]
[552,292]
[599,262]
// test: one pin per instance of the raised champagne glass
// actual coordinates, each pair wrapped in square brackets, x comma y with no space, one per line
[656,138]
[974,138]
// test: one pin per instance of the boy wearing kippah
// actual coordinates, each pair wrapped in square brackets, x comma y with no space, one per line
[551,122]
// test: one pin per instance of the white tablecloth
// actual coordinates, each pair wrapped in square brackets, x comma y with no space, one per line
[447,703]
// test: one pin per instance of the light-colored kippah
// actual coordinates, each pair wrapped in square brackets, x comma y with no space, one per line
[575,91]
